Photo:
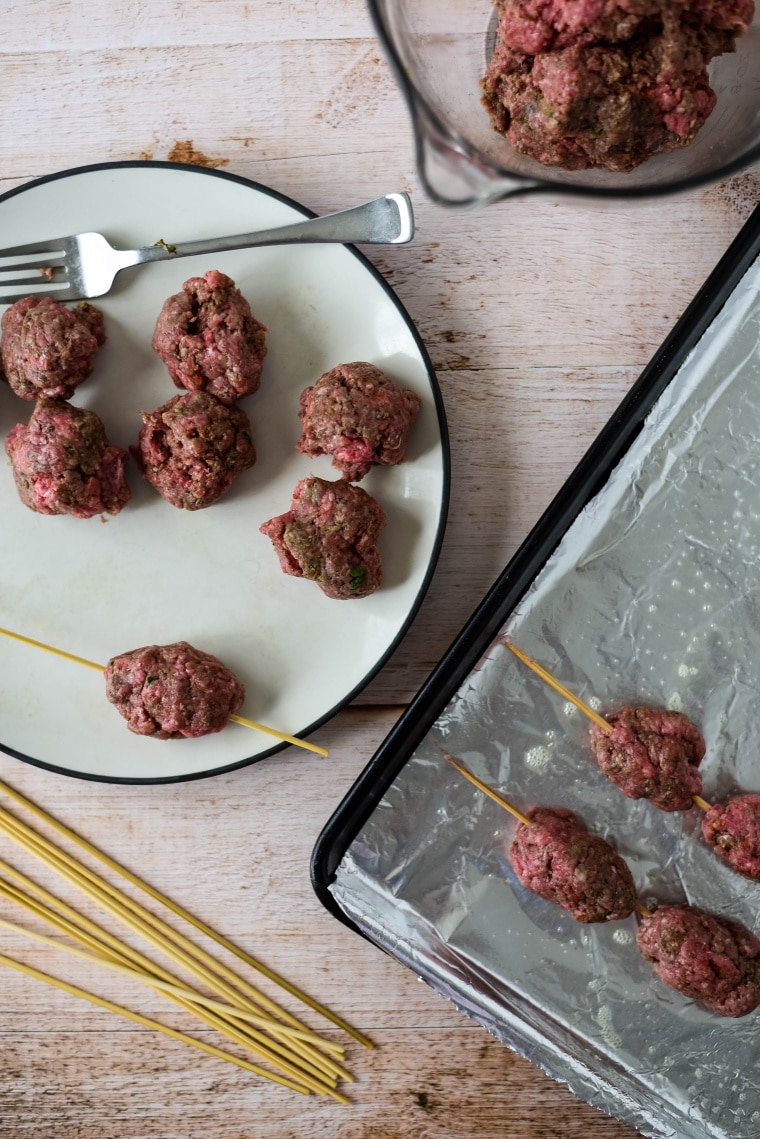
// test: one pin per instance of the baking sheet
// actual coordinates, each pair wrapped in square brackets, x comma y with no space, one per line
[653,596]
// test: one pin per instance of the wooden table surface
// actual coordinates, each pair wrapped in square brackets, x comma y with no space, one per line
[538,316]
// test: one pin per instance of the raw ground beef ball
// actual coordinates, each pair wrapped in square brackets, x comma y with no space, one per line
[193,447]
[210,340]
[330,535]
[172,692]
[48,349]
[559,860]
[732,829]
[606,83]
[708,959]
[358,415]
[651,754]
[63,463]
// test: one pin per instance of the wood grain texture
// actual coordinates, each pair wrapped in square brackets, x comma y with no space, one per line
[538,315]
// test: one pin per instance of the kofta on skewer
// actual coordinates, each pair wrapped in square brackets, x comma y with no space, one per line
[557,858]
[172,692]
[651,753]
[712,960]
[732,831]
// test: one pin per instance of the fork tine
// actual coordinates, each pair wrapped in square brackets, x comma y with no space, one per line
[55,245]
[22,282]
[40,263]
[67,294]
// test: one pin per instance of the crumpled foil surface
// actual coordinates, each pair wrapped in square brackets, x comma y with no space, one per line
[653,597]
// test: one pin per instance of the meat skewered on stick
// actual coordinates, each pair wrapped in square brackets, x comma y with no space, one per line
[667,769]
[555,856]
[100,668]
[730,829]
[705,958]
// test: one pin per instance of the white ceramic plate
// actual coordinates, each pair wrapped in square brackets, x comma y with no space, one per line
[154,574]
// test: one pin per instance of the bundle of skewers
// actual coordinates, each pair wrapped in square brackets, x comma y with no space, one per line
[273,1042]
[654,754]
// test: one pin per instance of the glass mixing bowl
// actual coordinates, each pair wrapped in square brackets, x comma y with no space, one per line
[440,50]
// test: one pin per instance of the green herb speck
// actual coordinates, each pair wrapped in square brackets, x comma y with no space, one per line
[357,575]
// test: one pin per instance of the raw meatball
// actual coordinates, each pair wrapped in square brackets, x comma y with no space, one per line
[63,463]
[330,535]
[732,829]
[359,416]
[651,754]
[47,349]
[606,83]
[210,340]
[708,959]
[172,692]
[193,447]
[559,860]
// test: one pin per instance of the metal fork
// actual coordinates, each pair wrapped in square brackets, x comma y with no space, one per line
[85,264]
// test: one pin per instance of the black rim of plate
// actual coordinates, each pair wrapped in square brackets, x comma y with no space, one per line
[445,455]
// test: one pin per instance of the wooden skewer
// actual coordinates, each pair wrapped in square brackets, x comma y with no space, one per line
[600,721]
[181,912]
[164,986]
[99,668]
[555,684]
[146,1022]
[487,790]
[305,1066]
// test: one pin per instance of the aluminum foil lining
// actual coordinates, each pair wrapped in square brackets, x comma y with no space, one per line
[653,597]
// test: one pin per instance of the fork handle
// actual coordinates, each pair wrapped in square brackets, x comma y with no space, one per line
[384,221]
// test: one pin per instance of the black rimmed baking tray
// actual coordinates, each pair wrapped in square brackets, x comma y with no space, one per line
[640,583]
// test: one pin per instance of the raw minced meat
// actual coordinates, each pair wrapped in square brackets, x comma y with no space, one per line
[330,535]
[172,692]
[359,416]
[651,753]
[48,349]
[732,829]
[558,859]
[210,340]
[192,448]
[606,83]
[63,463]
[709,959]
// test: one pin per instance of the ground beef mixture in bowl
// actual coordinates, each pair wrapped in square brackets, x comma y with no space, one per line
[63,463]
[210,340]
[556,858]
[192,448]
[172,692]
[48,349]
[709,959]
[359,416]
[651,753]
[330,536]
[606,83]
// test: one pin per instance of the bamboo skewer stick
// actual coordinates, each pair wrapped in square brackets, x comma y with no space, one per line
[273,1052]
[487,790]
[600,721]
[181,912]
[147,972]
[146,1022]
[99,668]
[154,983]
